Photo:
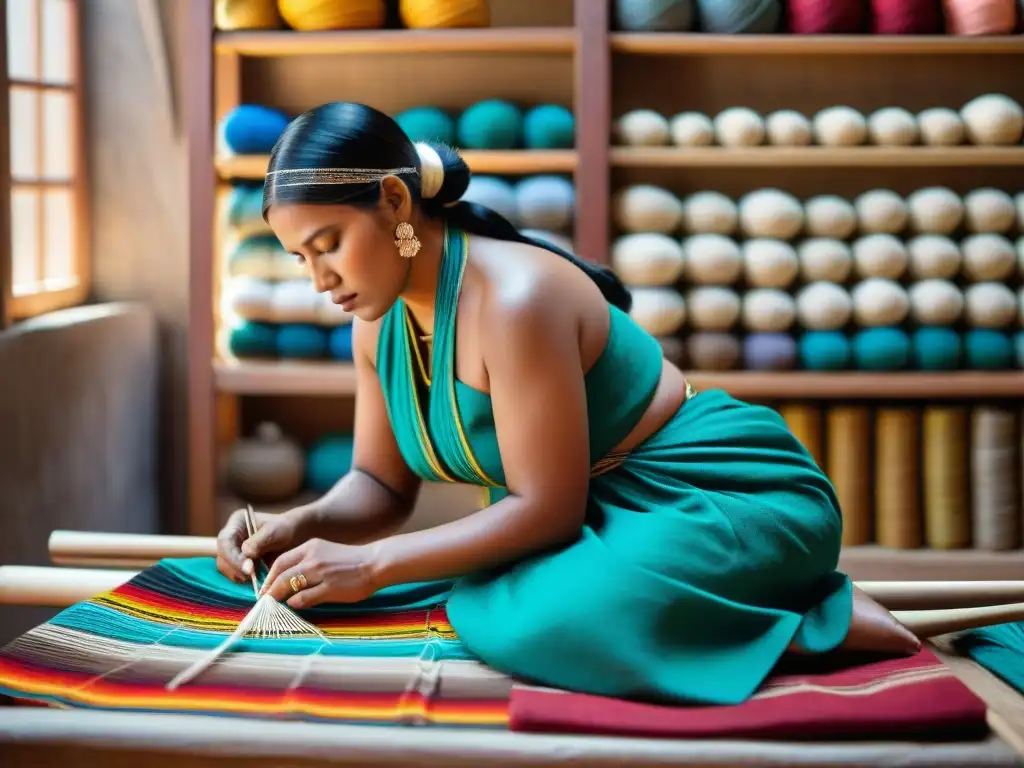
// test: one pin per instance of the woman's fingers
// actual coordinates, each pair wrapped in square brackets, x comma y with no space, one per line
[273,536]
[310,596]
[276,584]
[281,589]
[229,545]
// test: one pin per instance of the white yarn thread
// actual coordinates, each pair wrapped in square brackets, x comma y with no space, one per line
[431,170]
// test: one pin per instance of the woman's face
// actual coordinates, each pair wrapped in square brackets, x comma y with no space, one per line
[350,252]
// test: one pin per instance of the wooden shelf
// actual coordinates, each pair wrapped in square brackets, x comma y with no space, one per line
[815,156]
[511,162]
[872,563]
[856,385]
[250,377]
[488,40]
[659,43]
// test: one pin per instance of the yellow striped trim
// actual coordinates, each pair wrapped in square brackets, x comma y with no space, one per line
[432,460]
[424,368]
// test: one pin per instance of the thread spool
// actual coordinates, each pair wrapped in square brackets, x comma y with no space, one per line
[944,449]
[995,495]
[898,521]
[805,422]
[848,454]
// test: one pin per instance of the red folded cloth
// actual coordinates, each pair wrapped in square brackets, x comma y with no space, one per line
[915,697]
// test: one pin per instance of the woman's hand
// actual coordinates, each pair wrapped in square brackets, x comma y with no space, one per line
[236,550]
[333,573]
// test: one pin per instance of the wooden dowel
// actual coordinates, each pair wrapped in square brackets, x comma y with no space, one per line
[98,548]
[55,587]
[929,595]
[927,624]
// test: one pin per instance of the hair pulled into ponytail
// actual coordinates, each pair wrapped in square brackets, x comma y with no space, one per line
[350,136]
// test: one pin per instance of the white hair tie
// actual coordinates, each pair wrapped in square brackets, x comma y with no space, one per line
[431,170]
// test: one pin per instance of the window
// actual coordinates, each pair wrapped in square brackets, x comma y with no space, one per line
[45,260]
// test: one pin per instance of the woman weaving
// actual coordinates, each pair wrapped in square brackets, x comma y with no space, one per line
[639,539]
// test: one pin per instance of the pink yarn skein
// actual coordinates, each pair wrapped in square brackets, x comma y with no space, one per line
[906,17]
[980,17]
[825,17]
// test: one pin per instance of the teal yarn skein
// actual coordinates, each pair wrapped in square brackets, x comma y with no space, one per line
[824,351]
[988,350]
[301,341]
[1019,344]
[252,129]
[936,349]
[430,124]
[252,339]
[881,349]
[549,126]
[245,204]
[491,124]
[653,15]
[733,17]
[340,343]
[327,462]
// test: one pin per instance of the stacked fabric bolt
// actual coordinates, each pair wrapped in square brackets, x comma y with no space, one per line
[931,281]
[988,120]
[310,15]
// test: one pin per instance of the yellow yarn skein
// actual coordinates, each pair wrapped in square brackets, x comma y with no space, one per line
[310,15]
[444,14]
[246,14]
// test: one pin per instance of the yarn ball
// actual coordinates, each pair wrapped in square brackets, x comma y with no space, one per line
[444,14]
[253,340]
[248,298]
[993,119]
[739,127]
[712,260]
[233,15]
[936,349]
[880,256]
[935,210]
[647,208]
[267,468]
[295,301]
[653,15]
[980,17]
[881,211]
[933,256]
[771,213]
[879,301]
[988,257]
[822,258]
[659,311]
[769,352]
[768,310]
[490,124]
[549,126]
[733,17]
[892,126]
[823,306]
[252,129]
[713,351]
[935,302]
[813,17]
[674,350]
[989,305]
[1018,202]
[647,258]
[788,128]
[327,461]
[244,211]
[254,257]
[429,124]
[712,308]
[906,17]
[770,263]
[988,350]
[641,128]
[824,351]
[1019,344]
[941,127]
[839,127]
[692,129]
[302,341]
[830,216]
[310,15]
[989,210]
[494,193]
[710,213]
[546,202]
[881,349]
[339,343]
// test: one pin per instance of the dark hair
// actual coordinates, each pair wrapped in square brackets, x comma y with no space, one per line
[347,135]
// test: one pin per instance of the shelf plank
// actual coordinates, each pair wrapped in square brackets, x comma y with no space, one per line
[511,162]
[487,40]
[251,377]
[872,563]
[683,43]
[815,156]
[856,385]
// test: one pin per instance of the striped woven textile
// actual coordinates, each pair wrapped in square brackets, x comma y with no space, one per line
[378,666]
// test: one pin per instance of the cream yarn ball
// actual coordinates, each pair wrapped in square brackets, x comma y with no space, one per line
[771,213]
[248,298]
[295,301]
[788,128]
[659,311]
[769,263]
[880,256]
[881,211]
[647,259]
[879,301]
[989,305]
[989,210]
[647,208]
[993,119]
[1018,202]
[823,306]
[935,302]
[840,127]
[933,256]
[941,127]
[988,257]
[823,258]
[739,127]
[641,128]
[893,126]
[692,129]
[768,310]
[830,216]
[935,210]
[710,213]
[712,308]
[712,260]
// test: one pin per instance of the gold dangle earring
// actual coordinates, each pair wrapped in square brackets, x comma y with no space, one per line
[406,241]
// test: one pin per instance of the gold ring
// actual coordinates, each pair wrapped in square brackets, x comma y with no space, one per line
[298,583]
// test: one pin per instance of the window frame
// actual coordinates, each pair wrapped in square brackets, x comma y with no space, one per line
[21,307]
